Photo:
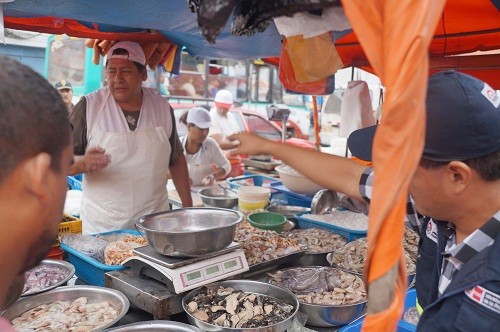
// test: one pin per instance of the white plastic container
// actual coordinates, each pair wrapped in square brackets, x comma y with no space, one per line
[253,197]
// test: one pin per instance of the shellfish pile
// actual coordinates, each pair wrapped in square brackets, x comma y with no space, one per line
[42,277]
[321,285]
[236,309]
[77,315]
[262,245]
[352,256]
[317,240]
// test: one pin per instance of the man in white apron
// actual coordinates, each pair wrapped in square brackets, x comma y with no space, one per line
[126,143]
[206,161]
[223,122]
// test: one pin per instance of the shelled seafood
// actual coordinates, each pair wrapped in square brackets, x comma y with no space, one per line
[352,256]
[262,245]
[317,240]
[77,315]
[411,316]
[42,277]
[108,249]
[321,285]
[227,307]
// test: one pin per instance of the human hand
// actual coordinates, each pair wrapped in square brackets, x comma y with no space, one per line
[96,159]
[208,180]
[248,144]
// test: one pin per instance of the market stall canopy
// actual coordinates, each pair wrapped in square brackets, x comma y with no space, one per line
[466,26]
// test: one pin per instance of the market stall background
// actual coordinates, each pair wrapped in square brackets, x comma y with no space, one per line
[400,41]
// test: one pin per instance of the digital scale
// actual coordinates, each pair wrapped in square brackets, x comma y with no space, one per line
[183,274]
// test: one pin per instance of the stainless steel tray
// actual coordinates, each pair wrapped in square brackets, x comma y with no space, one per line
[57,263]
[70,293]
[156,326]
[271,265]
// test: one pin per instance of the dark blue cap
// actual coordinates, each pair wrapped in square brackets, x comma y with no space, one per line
[463,120]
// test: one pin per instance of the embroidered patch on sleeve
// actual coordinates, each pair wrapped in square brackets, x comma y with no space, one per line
[485,298]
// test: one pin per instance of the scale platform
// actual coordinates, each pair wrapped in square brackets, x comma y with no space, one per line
[148,252]
[183,274]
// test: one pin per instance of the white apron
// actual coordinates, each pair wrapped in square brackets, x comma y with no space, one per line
[198,171]
[134,184]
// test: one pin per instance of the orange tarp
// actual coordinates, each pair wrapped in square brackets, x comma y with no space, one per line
[464,27]
[395,36]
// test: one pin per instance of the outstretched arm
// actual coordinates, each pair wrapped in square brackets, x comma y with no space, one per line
[333,172]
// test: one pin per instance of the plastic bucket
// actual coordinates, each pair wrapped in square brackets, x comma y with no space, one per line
[252,198]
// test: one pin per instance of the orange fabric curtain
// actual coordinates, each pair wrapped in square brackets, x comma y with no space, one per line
[395,36]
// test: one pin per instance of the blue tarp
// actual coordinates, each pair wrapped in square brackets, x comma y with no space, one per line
[172,18]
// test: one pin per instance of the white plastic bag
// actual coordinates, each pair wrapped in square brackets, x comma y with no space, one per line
[310,25]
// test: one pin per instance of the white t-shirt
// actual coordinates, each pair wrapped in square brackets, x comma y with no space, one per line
[225,125]
[209,154]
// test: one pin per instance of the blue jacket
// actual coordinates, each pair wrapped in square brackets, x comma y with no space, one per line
[454,310]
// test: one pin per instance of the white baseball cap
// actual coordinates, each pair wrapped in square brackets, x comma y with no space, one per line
[200,117]
[223,98]
[135,52]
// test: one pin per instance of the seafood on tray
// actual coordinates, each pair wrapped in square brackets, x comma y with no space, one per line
[317,240]
[321,285]
[117,251]
[227,307]
[42,277]
[77,315]
[263,245]
[352,256]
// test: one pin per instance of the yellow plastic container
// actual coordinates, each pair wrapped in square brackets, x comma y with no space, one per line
[245,205]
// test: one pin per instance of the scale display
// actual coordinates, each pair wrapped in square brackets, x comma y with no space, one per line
[192,275]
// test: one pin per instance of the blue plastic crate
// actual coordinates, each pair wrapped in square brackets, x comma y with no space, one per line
[87,268]
[75,182]
[410,301]
[292,198]
[349,234]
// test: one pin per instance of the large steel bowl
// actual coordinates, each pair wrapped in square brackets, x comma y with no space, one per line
[250,287]
[156,326]
[322,315]
[70,293]
[190,232]
[218,197]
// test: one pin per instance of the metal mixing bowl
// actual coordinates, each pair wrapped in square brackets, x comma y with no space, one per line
[332,315]
[218,197]
[70,293]
[250,287]
[156,326]
[190,232]
[322,315]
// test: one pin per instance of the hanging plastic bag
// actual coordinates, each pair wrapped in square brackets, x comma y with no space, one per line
[356,111]
[287,78]
[313,59]
[310,25]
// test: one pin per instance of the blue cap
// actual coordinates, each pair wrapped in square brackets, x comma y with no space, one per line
[463,120]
